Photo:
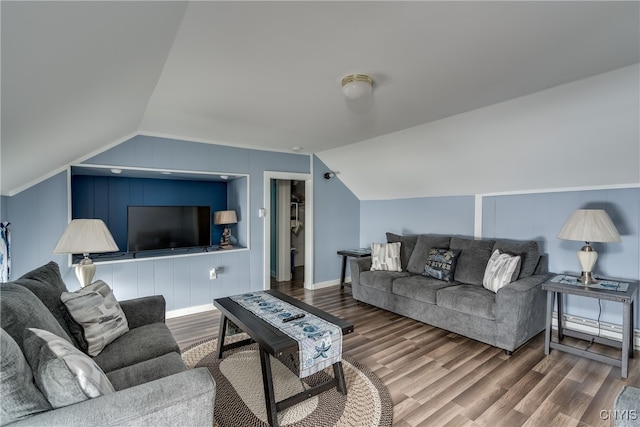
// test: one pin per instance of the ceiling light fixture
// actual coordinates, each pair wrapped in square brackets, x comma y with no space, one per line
[356,86]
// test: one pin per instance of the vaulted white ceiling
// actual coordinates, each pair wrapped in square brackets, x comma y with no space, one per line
[81,76]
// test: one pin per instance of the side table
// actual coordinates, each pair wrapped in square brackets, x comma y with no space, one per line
[626,298]
[355,253]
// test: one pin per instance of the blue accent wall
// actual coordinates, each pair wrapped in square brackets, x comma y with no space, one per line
[107,198]
[336,217]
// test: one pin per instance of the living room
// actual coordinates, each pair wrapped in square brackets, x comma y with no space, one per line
[512,167]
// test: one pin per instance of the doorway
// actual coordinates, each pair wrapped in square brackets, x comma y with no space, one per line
[288,238]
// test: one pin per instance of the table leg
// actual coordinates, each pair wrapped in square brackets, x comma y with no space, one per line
[631,326]
[343,271]
[269,394]
[626,322]
[339,376]
[560,316]
[222,331]
[547,331]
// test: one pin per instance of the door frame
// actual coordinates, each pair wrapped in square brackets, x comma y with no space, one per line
[308,224]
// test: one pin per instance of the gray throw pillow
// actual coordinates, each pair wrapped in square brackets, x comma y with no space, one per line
[407,244]
[473,259]
[19,395]
[96,309]
[421,252]
[63,373]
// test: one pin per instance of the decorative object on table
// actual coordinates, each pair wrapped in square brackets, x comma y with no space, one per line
[85,236]
[609,285]
[5,252]
[589,225]
[239,399]
[356,86]
[225,218]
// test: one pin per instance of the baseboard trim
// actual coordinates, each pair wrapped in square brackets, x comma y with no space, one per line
[189,310]
[326,284]
[589,326]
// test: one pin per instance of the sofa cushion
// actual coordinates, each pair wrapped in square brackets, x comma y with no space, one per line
[381,280]
[419,288]
[137,345]
[149,370]
[407,244]
[469,299]
[19,395]
[385,257]
[63,373]
[420,253]
[528,251]
[473,259]
[46,282]
[501,270]
[21,309]
[96,309]
[441,264]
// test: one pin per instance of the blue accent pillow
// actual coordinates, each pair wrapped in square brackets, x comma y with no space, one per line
[441,263]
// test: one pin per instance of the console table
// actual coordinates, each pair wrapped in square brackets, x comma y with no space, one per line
[355,253]
[626,298]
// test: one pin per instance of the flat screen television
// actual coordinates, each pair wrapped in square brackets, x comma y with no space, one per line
[167,227]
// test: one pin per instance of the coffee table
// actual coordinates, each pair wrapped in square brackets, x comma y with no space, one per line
[274,342]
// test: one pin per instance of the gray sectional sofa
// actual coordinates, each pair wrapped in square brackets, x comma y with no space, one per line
[151,385]
[506,319]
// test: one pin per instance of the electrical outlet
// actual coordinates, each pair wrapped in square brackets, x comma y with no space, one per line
[213,274]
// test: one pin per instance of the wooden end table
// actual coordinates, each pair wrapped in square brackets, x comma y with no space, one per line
[274,342]
[626,298]
[354,253]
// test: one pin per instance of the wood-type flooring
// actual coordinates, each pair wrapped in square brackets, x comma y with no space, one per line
[437,378]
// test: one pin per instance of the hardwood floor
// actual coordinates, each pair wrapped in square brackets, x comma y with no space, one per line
[437,378]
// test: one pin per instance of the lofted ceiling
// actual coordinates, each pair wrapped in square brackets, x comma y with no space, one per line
[79,77]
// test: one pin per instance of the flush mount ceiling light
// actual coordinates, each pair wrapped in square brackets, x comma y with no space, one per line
[356,86]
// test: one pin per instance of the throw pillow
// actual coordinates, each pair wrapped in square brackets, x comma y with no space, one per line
[502,269]
[441,264]
[385,257]
[407,243]
[63,373]
[96,309]
[19,395]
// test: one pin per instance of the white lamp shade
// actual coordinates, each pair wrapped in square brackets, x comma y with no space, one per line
[225,217]
[84,236]
[589,225]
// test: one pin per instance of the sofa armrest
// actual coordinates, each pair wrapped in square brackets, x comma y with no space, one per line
[357,266]
[521,285]
[185,399]
[144,311]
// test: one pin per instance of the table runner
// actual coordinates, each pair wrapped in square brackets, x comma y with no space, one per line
[319,342]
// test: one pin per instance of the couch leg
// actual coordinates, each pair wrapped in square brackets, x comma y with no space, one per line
[508,353]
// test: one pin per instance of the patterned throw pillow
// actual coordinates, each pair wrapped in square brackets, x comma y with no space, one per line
[63,373]
[501,270]
[385,257]
[96,309]
[441,263]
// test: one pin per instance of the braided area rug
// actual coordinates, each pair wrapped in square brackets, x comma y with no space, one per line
[240,396]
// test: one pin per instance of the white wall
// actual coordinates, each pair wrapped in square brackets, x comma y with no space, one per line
[584,133]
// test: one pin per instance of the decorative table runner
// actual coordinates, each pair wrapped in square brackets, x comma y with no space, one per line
[319,342]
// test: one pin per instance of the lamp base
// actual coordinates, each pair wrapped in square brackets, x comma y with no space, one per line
[587,278]
[225,240]
[85,270]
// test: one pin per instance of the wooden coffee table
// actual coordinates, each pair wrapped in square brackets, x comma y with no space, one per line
[274,342]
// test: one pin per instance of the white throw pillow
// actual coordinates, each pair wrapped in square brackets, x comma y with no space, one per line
[96,309]
[64,374]
[501,270]
[385,257]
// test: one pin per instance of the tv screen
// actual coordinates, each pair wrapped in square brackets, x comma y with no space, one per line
[167,227]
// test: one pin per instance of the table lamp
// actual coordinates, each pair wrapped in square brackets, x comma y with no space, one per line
[85,236]
[225,218]
[589,225]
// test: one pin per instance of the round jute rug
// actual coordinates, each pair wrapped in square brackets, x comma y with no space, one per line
[240,396]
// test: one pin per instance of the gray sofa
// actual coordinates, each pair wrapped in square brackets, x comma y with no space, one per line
[506,319]
[152,385]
